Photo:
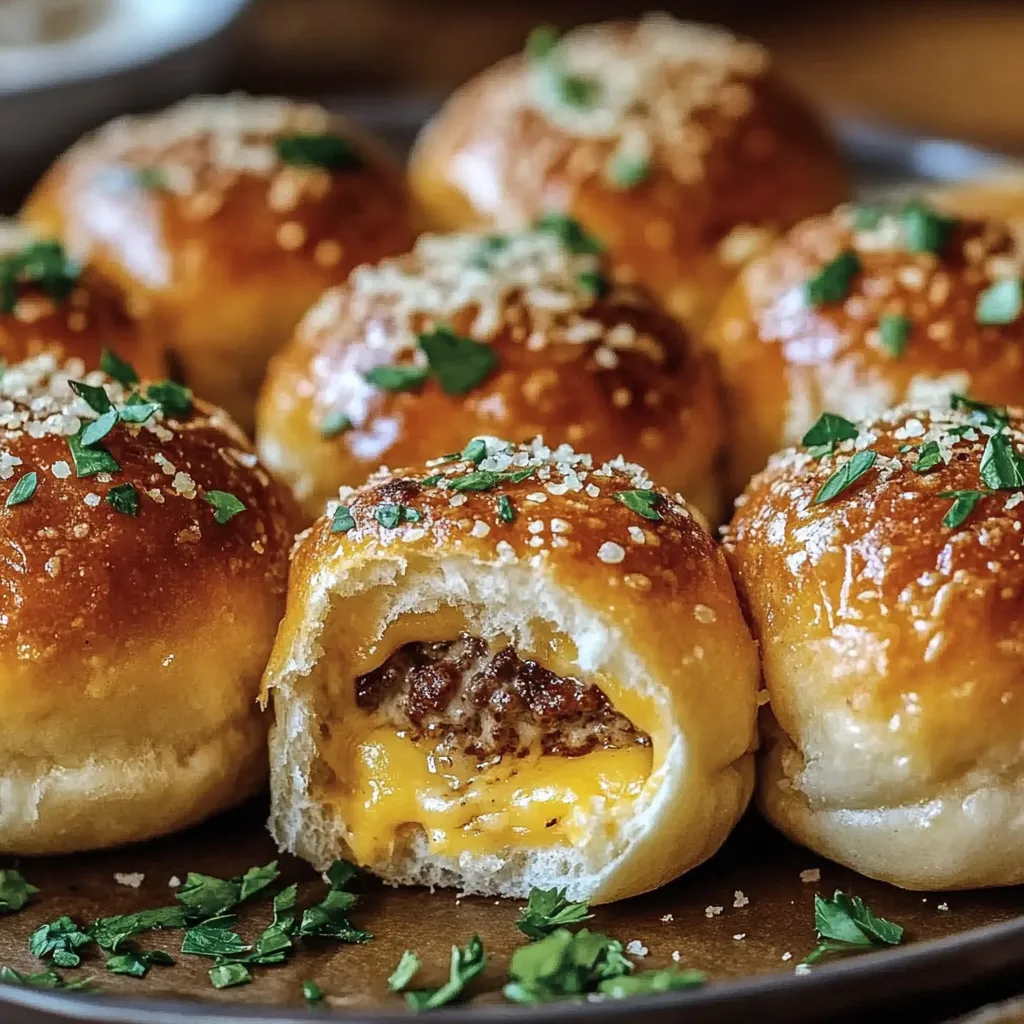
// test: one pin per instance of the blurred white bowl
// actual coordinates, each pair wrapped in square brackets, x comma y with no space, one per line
[68,65]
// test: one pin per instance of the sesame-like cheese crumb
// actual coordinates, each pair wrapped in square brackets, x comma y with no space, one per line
[611,553]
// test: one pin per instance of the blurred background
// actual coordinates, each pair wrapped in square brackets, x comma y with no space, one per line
[940,68]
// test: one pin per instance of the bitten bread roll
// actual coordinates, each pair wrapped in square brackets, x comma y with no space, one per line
[674,143]
[48,303]
[474,685]
[862,310]
[886,587]
[224,218]
[143,564]
[512,335]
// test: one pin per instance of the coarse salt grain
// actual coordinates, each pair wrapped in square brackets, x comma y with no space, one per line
[676,955]
[480,529]
[787,956]
[61,470]
[710,912]
[611,553]
[740,937]
[132,879]
[174,882]
[636,535]
[667,917]
[802,969]
[92,499]
[739,899]
[811,875]
[636,948]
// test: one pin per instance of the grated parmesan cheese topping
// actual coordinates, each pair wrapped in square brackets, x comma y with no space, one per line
[649,81]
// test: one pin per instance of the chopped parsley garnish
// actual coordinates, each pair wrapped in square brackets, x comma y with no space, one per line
[60,940]
[391,516]
[406,970]
[90,460]
[487,480]
[44,979]
[174,399]
[329,919]
[570,233]
[136,964]
[488,247]
[20,492]
[832,282]
[868,216]
[397,378]
[928,457]
[137,409]
[94,397]
[541,42]
[506,510]
[41,263]
[627,171]
[118,369]
[312,993]
[124,499]
[845,476]
[963,505]
[985,414]
[334,424]
[894,331]
[924,229]
[594,283]
[14,890]
[1000,303]
[213,941]
[1001,468]
[111,932]
[548,909]
[844,925]
[828,431]
[229,975]
[459,363]
[564,964]
[475,451]
[466,964]
[331,152]
[152,178]
[668,979]
[94,432]
[205,896]
[342,521]
[643,502]
[225,505]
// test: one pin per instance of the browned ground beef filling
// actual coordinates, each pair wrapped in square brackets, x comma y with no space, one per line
[460,697]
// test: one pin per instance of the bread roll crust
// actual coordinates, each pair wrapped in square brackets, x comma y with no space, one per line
[131,646]
[613,374]
[892,645]
[94,315]
[222,240]
[578,581]
[784,361]
[727,153]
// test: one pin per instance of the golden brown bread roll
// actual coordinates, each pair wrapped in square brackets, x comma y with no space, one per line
[474,686]
[890,614]
[142,577]
[997,195]
[50,303]
[224,218]
[672,142]
[860,311]
[512,335]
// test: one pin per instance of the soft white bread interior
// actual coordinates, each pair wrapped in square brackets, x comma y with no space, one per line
[891,623]
[590,589]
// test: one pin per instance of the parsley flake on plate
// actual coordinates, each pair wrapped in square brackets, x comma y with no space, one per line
[111,932]
[570,233]
[548,909]
[312,993]
[136,964]
[228,975]
[15,892]
[564,964]
[845,476]
[457,362]
[44,979]
[326,150]
[20,492]
[329,919]
[397,378]
[845,924]
[929,456]
[59,940]
[644,502]
[1001,468]
[466,963]
[894,332]
[174,399]
[206,896]
[406,970]
[668,979]
[225,505]
[213,941]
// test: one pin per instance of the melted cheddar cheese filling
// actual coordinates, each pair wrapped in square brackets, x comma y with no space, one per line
[389,782]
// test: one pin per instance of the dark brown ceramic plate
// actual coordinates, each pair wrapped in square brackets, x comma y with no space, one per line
[964,949]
